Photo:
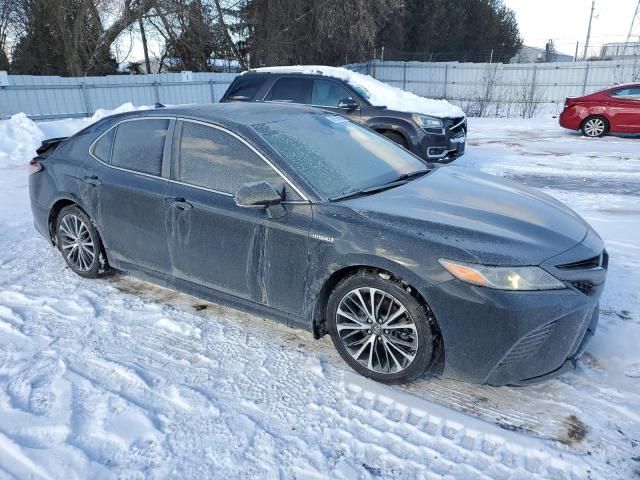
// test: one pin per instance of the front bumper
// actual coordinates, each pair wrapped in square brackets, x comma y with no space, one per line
[444,147]
[517,338]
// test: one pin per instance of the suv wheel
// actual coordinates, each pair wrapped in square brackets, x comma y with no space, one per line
[380,329]
[395,137]
[595,126]
[79,242]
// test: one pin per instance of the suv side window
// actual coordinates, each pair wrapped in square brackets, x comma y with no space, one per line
[328,94]
[211,158]
[632,93]
[291,90]
[245,87]
[139,145]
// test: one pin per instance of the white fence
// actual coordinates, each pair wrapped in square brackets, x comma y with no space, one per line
[481,89]
[495,89]
[43,97]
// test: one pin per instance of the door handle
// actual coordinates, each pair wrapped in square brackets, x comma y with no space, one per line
[92,180]
[179,202]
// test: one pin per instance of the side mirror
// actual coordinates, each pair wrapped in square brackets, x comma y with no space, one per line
[260,194]
[348,104]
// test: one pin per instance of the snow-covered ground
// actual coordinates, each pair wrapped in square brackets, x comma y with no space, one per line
[118,378]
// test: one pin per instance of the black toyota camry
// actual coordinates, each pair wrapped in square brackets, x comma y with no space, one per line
[309,218]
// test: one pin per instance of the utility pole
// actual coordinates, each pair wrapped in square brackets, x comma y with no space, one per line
[634,20]
[586,45]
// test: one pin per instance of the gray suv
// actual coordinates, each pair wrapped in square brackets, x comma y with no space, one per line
[433,137]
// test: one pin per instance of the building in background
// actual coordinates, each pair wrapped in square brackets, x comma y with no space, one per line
[540,55]
[620,50]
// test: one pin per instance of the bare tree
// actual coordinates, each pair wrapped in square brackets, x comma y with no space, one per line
[72,37]
[283,32]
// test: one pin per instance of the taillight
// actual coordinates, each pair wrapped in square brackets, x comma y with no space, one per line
[34,166]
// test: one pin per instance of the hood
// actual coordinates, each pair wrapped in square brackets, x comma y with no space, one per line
[485,219]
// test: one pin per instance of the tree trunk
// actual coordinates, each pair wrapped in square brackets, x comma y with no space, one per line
[147,63]
[232,45]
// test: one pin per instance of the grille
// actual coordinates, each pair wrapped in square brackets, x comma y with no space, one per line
[528,345]
[585,287]
[454,122]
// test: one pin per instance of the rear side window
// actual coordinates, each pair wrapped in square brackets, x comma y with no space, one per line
[102,148]
[292,90]
[632,93]
[245,87]
[214,159]
[139,145]
[328,94]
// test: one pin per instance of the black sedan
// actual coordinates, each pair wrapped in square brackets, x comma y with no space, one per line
[307,217]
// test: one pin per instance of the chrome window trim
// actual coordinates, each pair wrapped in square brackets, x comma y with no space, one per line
[305,200]
[169,129]
[252,148]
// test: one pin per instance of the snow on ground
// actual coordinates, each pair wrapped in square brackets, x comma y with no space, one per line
[118,378]
[378,93]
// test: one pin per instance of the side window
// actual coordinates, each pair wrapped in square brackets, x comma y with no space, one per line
[139,145]
[328,94]
[102,148]
[632,93]
[245,87]
[214,159]
[291,90]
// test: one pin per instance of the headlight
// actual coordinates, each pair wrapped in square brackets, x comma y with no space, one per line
[503,278]
[425,121]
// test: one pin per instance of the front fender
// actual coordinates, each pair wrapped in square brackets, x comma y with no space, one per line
[406,128]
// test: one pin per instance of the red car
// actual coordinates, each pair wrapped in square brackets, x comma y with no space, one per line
[614,110]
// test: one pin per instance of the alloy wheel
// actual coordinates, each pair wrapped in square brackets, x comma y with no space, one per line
[594,127]
[76,243]
[377,330]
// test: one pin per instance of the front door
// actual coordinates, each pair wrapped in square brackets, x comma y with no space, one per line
[328,94]
[217,244]
[625,108]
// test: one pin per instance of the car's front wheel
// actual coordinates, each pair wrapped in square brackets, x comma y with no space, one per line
[79,242]
[595,126]
[380,329]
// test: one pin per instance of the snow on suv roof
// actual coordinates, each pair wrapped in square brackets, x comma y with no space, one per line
[377,93]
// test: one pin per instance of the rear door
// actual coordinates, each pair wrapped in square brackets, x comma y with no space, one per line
[217,244]
[124,191]
[625,110]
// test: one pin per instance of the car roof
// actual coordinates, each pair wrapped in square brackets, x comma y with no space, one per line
[231,115]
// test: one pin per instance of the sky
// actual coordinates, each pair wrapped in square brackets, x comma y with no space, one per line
[566,22]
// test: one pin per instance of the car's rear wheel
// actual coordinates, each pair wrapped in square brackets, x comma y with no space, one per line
[595,126]
[79,242]
[396,137]
[380,329]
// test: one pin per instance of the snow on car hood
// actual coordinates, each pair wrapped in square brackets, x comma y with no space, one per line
[377,93]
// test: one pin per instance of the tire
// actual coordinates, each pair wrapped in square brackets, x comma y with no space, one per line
[595,126]
[79,242]
[366,350]
[395,137]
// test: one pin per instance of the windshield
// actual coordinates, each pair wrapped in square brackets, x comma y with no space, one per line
[336,156]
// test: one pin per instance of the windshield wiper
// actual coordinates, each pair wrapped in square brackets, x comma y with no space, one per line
[401,180]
